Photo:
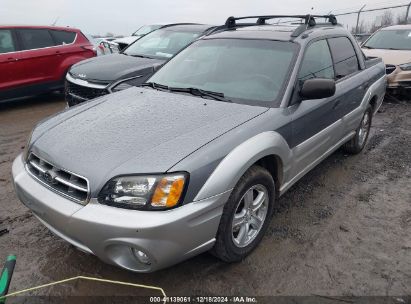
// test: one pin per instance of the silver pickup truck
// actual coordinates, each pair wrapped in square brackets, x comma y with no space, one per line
[197,158]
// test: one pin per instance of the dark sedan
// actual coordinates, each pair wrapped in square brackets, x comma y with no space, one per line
[132,67]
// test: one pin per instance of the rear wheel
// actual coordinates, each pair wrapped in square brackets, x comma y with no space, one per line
[246,215]
[357,143]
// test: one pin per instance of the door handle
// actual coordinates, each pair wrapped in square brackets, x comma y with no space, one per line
[12,59]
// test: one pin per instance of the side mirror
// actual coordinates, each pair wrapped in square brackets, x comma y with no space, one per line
[317,88]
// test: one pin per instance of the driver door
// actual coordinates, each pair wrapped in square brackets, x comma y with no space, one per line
[315,125]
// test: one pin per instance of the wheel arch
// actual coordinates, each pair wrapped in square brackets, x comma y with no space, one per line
[374,103]
[267,149]
[274,165]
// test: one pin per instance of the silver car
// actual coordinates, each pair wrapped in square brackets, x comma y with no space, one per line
[196,159]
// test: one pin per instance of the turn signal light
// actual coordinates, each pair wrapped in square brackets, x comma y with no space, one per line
[168,191]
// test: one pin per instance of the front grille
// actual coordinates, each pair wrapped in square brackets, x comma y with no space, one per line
[82,92]
[62,181]
[389,68]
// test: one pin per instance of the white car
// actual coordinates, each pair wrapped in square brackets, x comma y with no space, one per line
[103,46]
[142,31]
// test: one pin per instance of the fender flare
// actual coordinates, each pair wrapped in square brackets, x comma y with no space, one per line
[242,157]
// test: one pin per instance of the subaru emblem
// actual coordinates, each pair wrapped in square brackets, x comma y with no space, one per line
[49,176]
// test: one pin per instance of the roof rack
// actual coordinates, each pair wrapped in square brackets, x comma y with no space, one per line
[309,21]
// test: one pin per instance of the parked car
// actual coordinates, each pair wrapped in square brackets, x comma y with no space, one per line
[393,45]
[35,59]
[105,46]
[197,159]
[361,37]
[133,66]
[142,31]
[124,42]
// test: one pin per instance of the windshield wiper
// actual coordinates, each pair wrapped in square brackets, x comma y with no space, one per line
[367,47]
[199,92]
[155,85]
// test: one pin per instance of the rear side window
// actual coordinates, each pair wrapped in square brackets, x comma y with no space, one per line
[63,37]
[345,58]
[317,62]
[6,42]
[35,39]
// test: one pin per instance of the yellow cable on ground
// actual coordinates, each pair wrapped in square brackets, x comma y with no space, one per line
[85,278]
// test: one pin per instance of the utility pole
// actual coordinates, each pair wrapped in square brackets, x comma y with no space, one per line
[358,19]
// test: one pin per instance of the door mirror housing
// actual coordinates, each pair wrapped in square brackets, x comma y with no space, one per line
[317,88]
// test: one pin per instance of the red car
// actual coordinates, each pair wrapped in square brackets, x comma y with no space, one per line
[35,59]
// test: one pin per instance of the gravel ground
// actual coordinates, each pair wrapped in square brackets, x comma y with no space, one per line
[343,230]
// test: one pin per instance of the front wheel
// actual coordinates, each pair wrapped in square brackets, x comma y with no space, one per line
[246,215]
[357,143]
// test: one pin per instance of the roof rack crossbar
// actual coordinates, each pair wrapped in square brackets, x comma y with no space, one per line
[309,20]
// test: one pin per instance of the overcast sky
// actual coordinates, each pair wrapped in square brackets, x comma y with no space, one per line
[125,16]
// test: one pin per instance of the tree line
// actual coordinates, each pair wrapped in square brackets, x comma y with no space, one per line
[386,19]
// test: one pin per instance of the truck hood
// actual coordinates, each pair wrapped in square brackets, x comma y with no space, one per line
[114,67]
[395,57]
[134,131]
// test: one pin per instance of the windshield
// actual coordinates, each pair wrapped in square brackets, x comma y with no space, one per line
[144,30]
[245,71]
[163,43]
[390,39]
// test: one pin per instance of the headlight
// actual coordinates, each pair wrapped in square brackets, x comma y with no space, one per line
[152,192]
[405,66]
[126,84]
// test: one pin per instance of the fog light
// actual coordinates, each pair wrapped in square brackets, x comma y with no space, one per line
[141,256]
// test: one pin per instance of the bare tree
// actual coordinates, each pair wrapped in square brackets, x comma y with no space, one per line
[386,19]
[401,18]
[362,28]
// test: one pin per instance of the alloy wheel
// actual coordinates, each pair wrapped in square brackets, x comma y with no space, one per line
[250,215]
[364,129]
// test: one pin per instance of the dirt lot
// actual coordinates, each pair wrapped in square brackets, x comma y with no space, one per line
[343,230]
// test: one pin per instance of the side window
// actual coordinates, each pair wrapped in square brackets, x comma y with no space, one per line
[345,58]
[317,62]
[63,37]
[6,42]
[35,39]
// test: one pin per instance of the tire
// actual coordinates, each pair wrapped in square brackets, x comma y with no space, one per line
[233,244]
[357,143]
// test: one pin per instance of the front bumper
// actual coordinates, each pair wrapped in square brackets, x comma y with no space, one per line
[399,79]
[77,91]
[167,237]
